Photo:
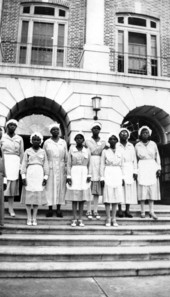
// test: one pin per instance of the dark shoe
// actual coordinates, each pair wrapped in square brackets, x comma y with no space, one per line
[120,214]
[49,213]
[128,214]
[59,214]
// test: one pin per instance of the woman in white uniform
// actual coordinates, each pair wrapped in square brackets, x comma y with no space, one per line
[149,171]
[112,179]
[3,182]
[56,150]
[129,172]
[96,146]
[13,149]
[34,171]
[78,178]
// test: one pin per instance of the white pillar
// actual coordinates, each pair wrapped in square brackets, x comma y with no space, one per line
[96,54]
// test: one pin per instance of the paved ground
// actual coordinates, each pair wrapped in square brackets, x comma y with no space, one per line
[158,286]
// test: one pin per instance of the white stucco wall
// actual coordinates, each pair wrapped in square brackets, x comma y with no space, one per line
[73,90]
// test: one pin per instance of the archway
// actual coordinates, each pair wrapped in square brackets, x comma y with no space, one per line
[157,119]
[37,113]
[159,122]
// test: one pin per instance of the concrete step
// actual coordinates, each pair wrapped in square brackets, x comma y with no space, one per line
[83,269]
[84,240]
[87,230]
[162,212]
[86,254]
[21,219]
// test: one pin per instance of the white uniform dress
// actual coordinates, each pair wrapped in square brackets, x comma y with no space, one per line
[34,168]
[148,164]
[111,173]
[57,160]
[96,148]
[13,150]
[78,169]
[129,168]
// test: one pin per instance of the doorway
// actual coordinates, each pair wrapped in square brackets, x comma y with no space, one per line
[158,121]
[35,115]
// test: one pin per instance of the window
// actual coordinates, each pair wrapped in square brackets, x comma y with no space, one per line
[26,9]
[62,13]
[41,10]
[121,20]
[137,53]
[137,45]
[42,35]
[137,22]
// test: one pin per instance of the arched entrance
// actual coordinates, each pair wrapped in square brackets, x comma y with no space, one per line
[36,114]
[159,121]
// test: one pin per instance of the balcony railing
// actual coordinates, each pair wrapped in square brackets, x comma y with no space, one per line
[53,56]
[44,55]
[130,63]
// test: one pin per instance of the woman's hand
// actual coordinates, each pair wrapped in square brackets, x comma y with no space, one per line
[44,182]
[135,176]
[69,181]
[158,173]
[102,183]
[88,179]
[24,182]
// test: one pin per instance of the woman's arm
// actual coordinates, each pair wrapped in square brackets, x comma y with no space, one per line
[102,164]
[21,150]
[69,164]
[46,166]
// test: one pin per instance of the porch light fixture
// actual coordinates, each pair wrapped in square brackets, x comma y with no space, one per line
[96,102]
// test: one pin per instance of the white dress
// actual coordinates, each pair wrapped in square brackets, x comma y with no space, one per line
[78,169]
[57,160]
[34,168]
[129,168]
[13,149]
[111,173]
[148,164]
[96,148]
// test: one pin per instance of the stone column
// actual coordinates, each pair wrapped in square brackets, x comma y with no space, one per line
[96,54]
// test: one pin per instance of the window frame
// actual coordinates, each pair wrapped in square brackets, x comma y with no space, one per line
[148,31]
[31,18]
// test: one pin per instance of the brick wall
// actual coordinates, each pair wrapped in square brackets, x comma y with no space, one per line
[154,8]
[77,20]
[76,31]
[9,29]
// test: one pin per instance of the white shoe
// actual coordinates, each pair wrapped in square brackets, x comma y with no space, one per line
[74,223]
[11,213]
[115,224]
[34,222]
[96,216]
[29,223]
[89,215]
[81,224]
[108,224]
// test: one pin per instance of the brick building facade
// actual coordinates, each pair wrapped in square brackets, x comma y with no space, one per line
[57,55]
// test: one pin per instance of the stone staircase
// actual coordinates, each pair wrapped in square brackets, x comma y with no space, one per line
[55,249]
